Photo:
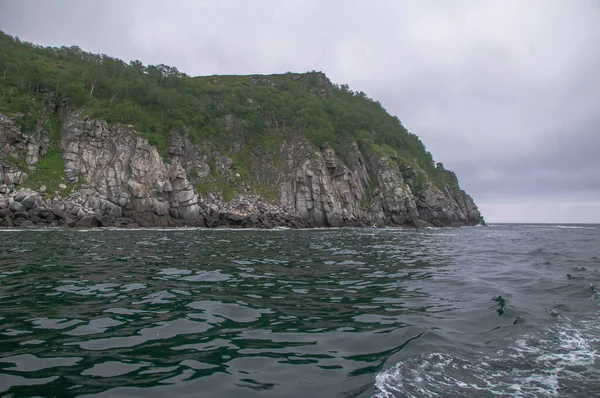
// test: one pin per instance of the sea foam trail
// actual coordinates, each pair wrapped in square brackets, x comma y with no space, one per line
[563,361]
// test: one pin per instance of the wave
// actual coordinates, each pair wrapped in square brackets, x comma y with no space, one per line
[31,229]
[561,361]
[546,226]
[573,227]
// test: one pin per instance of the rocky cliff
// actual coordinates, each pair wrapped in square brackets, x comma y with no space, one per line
[109,175]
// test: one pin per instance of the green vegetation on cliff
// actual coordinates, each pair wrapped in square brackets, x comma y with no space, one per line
[155,99]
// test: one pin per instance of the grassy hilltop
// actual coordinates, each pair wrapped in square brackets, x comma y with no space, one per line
[158,99]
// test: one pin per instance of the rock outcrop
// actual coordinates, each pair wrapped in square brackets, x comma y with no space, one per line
[124,175]
[122,180]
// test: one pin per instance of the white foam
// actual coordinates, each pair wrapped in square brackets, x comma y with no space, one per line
[33,229]
[573,227]
[536,364]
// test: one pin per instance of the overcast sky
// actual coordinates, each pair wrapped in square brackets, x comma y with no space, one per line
[505,93]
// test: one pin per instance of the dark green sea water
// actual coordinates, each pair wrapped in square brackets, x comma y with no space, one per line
[505,310]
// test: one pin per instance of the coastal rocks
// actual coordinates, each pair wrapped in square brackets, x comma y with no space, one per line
[89,221]
[328,192]
[31,143]
[16,207]
[123,181]
[126,175]
[12,140]
[317,191]
[21,201]
[15,178]
[359,189]
[30,201]
[27,224]
[249,211]
[24,208]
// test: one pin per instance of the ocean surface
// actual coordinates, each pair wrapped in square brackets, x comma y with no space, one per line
[503,310]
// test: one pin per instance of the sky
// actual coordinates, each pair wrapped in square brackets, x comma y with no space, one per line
[506,93]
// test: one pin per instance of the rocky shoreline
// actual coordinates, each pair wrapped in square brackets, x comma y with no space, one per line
[25,208]
[108,175]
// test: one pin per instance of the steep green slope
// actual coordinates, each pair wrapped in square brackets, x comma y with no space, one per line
[157,99]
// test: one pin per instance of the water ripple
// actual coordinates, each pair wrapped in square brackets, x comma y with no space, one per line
[505,310]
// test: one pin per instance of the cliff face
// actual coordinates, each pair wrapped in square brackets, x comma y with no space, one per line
[87,139]
[112,176]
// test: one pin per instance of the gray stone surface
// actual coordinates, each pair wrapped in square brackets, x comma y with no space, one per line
[16,207]
[30,201]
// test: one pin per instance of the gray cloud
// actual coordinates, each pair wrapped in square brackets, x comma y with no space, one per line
[506,93]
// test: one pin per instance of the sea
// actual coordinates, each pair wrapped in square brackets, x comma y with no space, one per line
[504,310]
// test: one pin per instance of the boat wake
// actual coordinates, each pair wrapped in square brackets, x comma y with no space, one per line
[561,361]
